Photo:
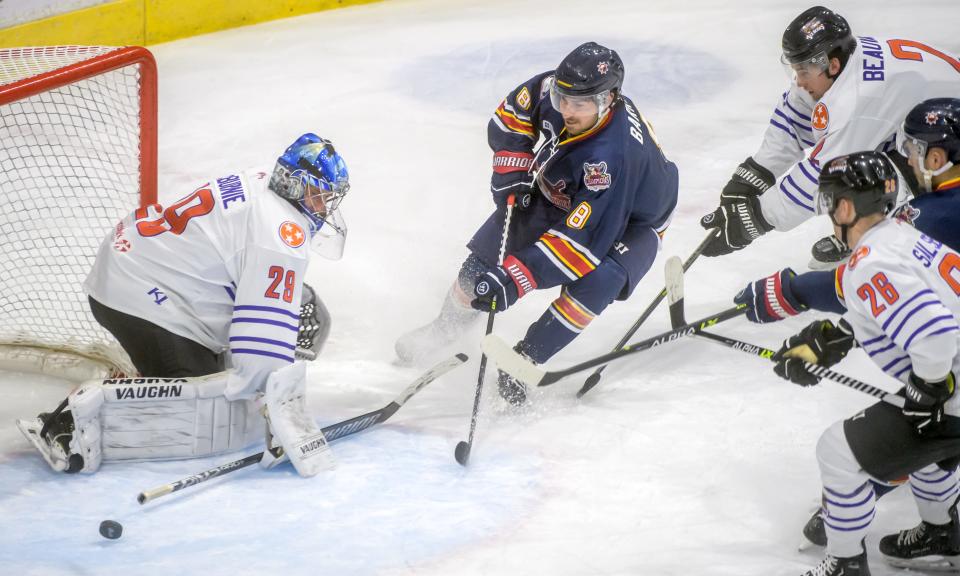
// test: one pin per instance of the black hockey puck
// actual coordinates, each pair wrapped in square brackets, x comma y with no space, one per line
[111,529]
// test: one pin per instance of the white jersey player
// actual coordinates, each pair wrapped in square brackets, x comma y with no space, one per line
[902,290]
[848,94]
[181,284]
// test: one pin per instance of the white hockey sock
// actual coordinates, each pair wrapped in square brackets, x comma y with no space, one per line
[935,490]
[848,496]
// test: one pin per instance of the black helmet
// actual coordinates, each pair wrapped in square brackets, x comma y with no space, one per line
[934,123]
[868,179]
[817,31]
[589,70]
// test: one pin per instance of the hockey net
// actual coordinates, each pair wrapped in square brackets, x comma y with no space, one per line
[78,145]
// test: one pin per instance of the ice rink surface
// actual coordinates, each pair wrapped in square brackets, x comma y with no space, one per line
[688,459]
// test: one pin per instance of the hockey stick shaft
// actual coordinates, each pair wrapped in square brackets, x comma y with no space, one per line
[332,432]
[462,451]
[594,378]
[815,369]
[525,371]
[677,314]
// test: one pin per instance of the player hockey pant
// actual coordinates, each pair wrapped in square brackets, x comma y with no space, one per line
[156,351]
[581,300]
[879,447]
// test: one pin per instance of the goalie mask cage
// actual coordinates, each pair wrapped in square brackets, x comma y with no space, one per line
[78,151]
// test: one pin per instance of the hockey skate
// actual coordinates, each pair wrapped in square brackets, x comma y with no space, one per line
[512,390]
[925,547]
[828,253]
[833,566]
[814,530]
[54,445]
[420,344]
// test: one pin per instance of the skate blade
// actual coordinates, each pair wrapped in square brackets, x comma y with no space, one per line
[933,563]
[52,454]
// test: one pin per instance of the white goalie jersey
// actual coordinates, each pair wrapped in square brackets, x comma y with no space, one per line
[902,291]
[222,266]
[883,79]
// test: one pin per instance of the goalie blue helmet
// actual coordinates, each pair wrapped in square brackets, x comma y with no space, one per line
[313,177]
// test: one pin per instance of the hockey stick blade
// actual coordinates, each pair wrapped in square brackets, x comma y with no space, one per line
[521,369]
[673,280]
[332,432]
[594,378]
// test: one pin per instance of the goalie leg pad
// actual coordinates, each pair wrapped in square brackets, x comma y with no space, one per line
[301,440]
[149,419]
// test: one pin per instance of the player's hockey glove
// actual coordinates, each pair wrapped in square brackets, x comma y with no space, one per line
[923,407]
[739,218]
[505,283]
[523,194]
[821,343]
[771,299]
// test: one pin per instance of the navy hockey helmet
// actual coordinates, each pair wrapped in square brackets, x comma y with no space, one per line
[589,70]
[815,36]
[933,123]
[868,179]
[588,74]
[313,177]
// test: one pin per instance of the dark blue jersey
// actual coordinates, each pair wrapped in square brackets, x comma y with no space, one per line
[604,181]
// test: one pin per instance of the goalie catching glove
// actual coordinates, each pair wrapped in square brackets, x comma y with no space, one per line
[739,219]
[821,343]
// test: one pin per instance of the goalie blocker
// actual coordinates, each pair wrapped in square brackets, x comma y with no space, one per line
[138,419]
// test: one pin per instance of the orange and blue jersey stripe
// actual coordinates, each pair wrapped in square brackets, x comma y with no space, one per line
[512,122]
[572,314]
[572,259]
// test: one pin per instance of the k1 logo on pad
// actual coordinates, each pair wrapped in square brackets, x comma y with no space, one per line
[292,234]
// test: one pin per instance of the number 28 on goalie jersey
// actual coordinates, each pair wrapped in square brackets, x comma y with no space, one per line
[902,290]
[222,266]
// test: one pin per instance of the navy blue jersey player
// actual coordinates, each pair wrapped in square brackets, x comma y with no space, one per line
[594,194]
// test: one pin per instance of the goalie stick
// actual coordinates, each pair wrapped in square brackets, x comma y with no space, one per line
[530,374]
[594,378]
[674,273]
[332,432]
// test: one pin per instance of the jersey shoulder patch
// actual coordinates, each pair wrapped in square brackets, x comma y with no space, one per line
[292,234]
[523,98]
[595,176]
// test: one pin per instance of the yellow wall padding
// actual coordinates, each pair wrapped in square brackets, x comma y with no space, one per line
[143,22]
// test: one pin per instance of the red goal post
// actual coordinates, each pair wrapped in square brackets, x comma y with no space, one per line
[78,150]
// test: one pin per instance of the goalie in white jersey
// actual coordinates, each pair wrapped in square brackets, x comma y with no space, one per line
[847,94]
[215,274]
[902,291]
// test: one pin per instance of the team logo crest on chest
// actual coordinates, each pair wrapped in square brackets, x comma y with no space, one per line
[821,116]
[595,176]
[292,234]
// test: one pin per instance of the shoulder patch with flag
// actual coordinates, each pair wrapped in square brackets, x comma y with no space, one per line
[292,234]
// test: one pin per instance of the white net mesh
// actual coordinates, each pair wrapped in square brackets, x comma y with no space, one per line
[69,170]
